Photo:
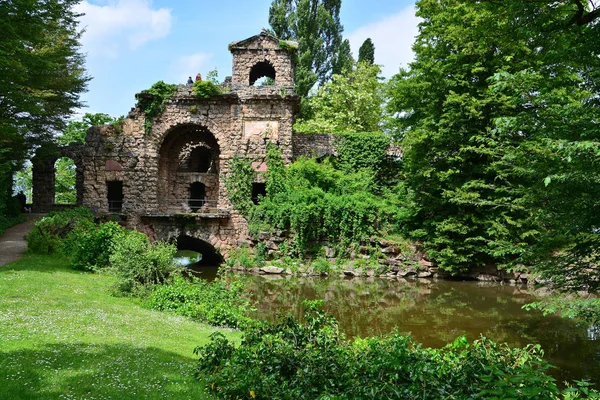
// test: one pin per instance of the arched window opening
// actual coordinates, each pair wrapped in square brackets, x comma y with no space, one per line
[200,160]
[114,194]
[65,191]
[259,190]
[197,196]
[262,74]
[209,255]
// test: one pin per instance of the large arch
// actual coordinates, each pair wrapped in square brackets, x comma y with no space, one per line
[210,256]
[188,155]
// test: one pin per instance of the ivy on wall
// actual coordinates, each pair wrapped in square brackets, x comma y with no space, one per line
[239,184]
[152,101]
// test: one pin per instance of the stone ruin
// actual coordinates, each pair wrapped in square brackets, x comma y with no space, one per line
[169,182]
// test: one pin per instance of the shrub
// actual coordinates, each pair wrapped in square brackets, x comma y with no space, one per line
[311,359]
[139,264]
[205,89]
[217,303]
[48,233]
[90,245]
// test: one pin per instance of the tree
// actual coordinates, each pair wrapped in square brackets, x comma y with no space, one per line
[41,77]
[351,102]
[76,130]
[315,25]
[366,52]
[498,110]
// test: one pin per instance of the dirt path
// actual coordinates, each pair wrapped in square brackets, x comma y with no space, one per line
[12,242]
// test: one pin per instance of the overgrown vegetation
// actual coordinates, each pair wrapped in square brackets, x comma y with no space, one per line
[219,303]
[152,101]
[49,233]
[312,359]
[239,183]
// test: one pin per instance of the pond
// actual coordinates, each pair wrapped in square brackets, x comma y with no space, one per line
[433,312]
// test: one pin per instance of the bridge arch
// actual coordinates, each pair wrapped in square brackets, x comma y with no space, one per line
[210,255]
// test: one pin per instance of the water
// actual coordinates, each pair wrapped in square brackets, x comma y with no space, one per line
[192,261]
[435,313]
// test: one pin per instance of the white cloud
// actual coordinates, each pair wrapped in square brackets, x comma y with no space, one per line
[121,23]
[393,38]
[190,65]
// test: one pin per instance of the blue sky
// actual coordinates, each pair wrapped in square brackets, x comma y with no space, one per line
[130,44]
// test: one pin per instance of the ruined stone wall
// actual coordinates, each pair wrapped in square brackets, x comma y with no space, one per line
[313,145]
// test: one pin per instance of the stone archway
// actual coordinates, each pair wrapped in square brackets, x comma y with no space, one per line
[189,155]
[210,255]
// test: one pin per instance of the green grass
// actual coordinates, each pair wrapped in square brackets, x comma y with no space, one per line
[63,336]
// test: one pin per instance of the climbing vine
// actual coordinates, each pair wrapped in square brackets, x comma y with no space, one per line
[152,101]
[239,184]
[361,150]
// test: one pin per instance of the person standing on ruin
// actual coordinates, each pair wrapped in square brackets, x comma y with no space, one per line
[190,82]
[198,77]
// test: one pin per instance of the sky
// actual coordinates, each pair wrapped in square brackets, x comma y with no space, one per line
[131,44]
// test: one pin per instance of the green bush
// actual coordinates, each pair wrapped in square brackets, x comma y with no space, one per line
[217,303]
[91,245]
[290,359]
[205,89]
[139,264]
[49,233]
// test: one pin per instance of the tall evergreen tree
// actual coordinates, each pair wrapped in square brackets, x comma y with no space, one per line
[366,52]
[315,25]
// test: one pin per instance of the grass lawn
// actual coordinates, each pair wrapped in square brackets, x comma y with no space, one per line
[63,336]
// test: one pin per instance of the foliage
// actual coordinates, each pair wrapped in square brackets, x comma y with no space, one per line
[316,201]
[64,181]
[152,101]
[239,183]
[311,359]
[315,26]
[586,310]
[41,77]
[76,130]
[469,209]
[48,233]
[276,174]
[139,264]
[205,88]
[349,102]
[241,257]
[217,303]
[91,245]
[366,52]
[289,46]
[362,151]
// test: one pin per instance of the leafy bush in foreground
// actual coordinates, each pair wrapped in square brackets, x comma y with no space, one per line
[48,233]
[139,264]
[290,359]
[217,303]
[91,245]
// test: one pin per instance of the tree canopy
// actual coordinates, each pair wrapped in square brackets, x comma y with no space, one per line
[315,25]
[498,115]
[350,102]
[41,77]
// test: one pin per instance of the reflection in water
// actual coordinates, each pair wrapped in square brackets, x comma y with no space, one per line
[192,261]
[435,313]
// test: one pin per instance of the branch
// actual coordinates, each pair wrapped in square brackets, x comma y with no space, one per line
[580,18]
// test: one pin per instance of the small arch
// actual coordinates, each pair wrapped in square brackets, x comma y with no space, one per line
[65,191]
[197,196]
[262,69]
[210,255]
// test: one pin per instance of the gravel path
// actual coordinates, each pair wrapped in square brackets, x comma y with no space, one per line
[12,242]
